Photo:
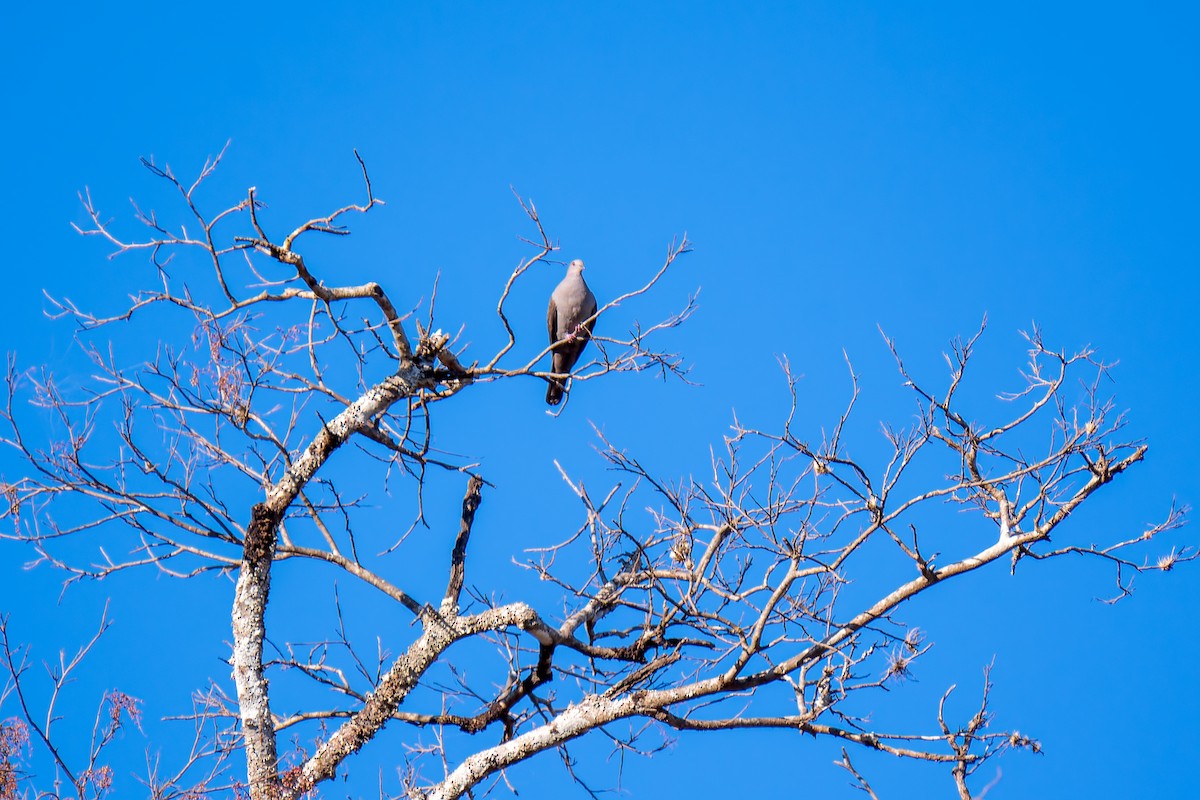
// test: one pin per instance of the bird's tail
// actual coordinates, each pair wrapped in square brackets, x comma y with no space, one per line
[554,393]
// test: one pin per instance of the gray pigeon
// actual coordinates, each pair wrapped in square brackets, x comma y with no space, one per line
[571,305]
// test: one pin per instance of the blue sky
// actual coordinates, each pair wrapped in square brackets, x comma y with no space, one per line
[840,170]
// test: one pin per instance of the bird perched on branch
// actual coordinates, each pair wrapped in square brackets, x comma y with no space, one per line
[569,321]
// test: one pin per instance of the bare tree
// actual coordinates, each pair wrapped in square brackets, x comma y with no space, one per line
[216,458]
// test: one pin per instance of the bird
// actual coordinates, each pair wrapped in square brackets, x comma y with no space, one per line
[569,320]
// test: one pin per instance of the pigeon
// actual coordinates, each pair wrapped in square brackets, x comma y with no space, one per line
[569,320]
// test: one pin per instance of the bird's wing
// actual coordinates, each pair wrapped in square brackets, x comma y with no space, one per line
[552,320]
[589,311]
